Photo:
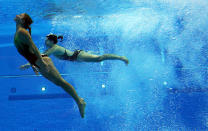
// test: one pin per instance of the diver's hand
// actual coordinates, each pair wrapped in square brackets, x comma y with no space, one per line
[35,70]
[24,67]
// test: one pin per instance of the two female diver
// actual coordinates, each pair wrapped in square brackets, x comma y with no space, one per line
[78,55]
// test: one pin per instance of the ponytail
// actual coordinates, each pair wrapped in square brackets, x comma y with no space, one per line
[60,37]
[54,38]
[29,30]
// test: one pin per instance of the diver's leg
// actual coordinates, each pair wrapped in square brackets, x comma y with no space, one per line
[84,56]
[52,74]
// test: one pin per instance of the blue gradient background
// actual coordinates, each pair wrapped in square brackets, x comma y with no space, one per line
[164,87]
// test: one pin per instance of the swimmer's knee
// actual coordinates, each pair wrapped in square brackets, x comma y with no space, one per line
[100,58]
[92,59]
[59,82]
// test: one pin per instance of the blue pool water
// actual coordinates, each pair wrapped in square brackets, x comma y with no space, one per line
[164,87]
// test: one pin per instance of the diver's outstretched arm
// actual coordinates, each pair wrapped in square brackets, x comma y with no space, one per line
[25,66]
[50,51]
[47,52]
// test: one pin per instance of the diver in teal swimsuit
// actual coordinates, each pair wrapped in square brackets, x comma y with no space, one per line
[78,55]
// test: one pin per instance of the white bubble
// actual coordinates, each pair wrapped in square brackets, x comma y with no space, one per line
[77,16]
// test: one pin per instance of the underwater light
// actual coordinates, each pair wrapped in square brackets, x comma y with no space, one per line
[165,83]
[103,86]
[43,88]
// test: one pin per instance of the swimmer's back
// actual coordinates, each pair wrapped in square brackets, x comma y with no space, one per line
[20,38]
[23,46]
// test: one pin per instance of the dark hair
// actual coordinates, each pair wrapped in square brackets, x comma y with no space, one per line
[28,22]
[54,38]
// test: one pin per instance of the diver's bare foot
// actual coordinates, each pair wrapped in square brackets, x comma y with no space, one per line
[125,60]
[82,107]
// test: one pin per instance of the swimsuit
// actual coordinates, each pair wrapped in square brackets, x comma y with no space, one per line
[31,57]
[70,58]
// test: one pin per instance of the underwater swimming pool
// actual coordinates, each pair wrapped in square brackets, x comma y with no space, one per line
[164,87]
